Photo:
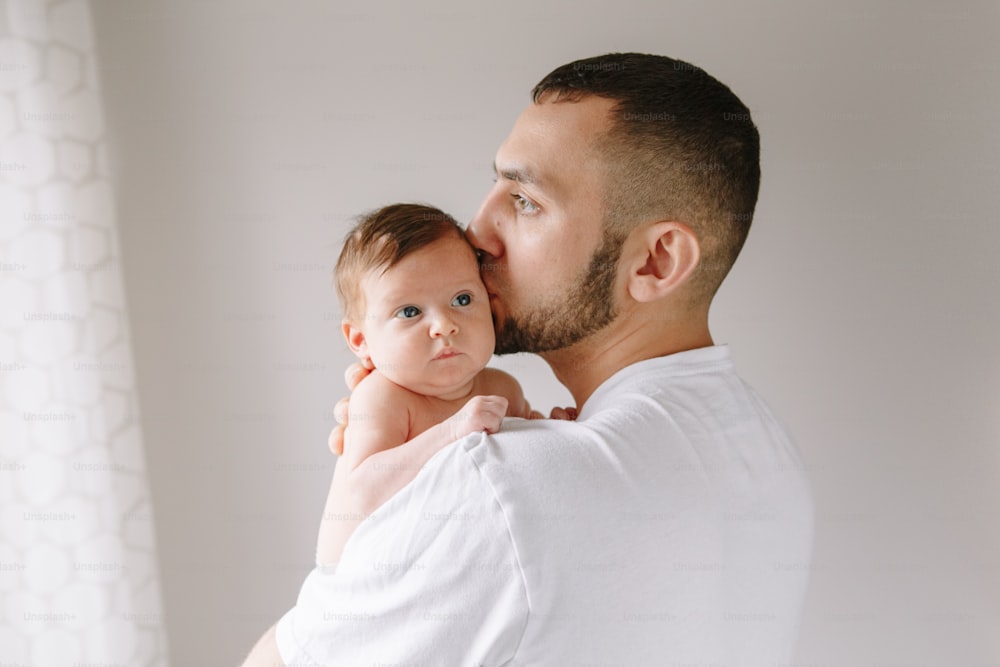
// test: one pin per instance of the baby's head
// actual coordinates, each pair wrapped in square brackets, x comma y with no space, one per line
[413,301]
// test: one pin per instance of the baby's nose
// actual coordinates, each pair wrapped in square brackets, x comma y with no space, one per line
[443,326]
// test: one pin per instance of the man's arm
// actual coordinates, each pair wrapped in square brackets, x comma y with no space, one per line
[432,579]
[265,652]
[384,473]
[378,460]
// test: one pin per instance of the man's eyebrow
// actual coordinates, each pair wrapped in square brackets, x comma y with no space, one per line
[516,174]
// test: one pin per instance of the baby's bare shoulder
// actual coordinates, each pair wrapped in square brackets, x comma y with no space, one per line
[380,416]
[377,392]
[495,382]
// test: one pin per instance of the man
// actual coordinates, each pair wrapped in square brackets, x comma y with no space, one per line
[671,522]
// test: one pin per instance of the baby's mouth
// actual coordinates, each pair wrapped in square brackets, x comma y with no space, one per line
[446,353]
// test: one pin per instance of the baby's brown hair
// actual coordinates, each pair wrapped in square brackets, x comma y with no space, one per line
[380,239]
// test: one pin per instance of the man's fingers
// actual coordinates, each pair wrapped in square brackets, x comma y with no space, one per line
[353,376]
[340,410]
[568,414]
[357,372]
[336,441]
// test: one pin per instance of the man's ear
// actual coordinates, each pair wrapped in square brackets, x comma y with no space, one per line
[355,340]
[667,254]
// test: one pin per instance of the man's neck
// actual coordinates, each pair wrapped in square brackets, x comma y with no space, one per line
[583,367]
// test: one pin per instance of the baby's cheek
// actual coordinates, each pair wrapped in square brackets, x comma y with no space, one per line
[487,342]
[387,364]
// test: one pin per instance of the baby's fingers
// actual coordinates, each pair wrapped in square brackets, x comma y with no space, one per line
[341,410]
[485,413]
[494,414]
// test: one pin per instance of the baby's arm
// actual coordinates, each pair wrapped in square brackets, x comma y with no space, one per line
[500,383]
[374,467]
[372,428]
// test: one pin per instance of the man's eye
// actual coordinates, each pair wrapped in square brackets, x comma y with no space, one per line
[407,312]
[523,204]
[462,300]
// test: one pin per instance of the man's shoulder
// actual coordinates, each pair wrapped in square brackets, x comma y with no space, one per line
[452,492]
[481,466]
[525,452]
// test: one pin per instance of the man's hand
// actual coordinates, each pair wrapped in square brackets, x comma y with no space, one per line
[353,376]
[567,414]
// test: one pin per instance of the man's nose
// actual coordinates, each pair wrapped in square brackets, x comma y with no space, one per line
[483,231]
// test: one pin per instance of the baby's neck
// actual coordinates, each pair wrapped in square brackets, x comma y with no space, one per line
[460,393]
[428,410]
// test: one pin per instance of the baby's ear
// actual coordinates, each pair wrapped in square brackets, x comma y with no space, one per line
[355,340]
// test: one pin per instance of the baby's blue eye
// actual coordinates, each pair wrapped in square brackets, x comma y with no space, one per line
[462,300]
[407,312]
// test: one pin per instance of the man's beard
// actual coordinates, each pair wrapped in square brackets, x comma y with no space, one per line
[568,319]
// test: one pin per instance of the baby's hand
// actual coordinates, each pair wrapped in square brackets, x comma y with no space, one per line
[481,413]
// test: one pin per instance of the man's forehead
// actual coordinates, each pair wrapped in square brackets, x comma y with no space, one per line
[552,139]
[584,117]
[518,172]
[566,123]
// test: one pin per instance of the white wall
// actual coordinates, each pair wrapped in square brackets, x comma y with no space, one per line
[864,306]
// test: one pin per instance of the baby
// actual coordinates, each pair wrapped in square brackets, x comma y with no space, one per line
[416,309]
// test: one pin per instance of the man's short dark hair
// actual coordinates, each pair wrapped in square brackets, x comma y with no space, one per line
[681,147]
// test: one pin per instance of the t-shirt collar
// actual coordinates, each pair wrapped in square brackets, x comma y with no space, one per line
[688,362]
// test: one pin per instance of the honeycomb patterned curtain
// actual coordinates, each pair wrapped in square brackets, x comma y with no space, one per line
[78,569]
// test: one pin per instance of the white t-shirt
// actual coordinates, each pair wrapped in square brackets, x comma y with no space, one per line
[671,524]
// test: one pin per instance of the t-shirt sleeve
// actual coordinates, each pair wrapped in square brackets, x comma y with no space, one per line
[432,578]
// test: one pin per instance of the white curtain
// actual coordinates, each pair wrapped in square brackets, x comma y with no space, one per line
[78,571]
